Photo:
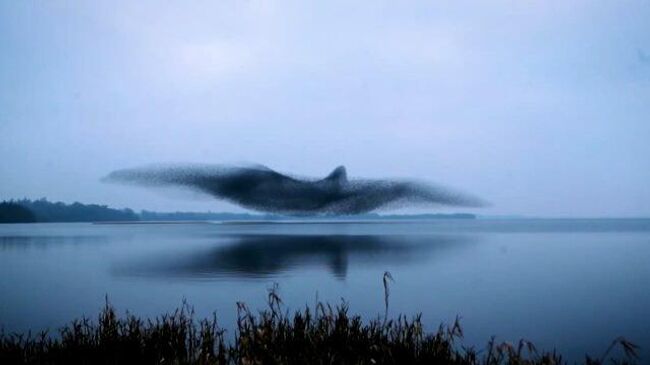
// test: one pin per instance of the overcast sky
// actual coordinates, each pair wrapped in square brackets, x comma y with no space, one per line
[540,107]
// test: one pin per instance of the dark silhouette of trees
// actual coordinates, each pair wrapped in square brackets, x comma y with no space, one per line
[42,210]
[11,212]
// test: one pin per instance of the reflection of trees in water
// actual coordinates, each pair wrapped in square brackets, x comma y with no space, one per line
[41,242]
[265,255]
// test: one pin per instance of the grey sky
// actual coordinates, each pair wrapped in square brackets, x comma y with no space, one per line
[541,107]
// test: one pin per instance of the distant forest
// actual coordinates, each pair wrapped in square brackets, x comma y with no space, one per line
[42,210]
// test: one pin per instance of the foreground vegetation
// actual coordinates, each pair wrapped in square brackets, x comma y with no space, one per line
[322,335]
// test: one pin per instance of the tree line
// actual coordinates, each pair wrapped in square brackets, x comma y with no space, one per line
[42,210]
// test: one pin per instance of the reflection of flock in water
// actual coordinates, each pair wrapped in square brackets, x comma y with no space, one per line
[268,255]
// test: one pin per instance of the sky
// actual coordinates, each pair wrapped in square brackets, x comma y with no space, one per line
[540,107]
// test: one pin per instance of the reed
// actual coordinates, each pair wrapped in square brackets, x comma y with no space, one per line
[323,334]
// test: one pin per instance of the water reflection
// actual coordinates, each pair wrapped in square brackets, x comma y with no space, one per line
[8,243]
[260,256]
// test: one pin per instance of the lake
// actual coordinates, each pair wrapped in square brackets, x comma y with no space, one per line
[573,285]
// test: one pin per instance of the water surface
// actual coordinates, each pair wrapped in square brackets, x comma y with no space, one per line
[573,285]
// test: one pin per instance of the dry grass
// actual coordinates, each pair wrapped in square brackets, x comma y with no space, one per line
[319,335]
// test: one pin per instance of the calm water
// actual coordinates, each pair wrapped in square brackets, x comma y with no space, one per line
[573,285]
